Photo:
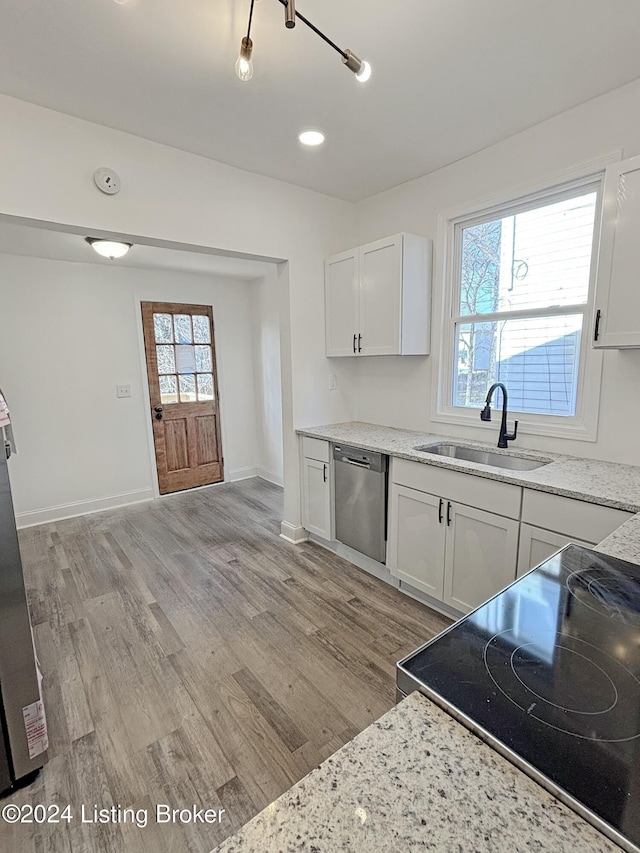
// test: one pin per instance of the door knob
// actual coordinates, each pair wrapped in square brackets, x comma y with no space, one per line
[158,411]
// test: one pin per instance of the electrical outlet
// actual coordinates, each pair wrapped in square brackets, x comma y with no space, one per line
[333,382]
[123,390]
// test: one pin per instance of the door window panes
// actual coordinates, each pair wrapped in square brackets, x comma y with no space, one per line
[166,359]
[203,359]
[205,386]
[182,326]
[168,390]
[163,328]
[187,385]
[201,333]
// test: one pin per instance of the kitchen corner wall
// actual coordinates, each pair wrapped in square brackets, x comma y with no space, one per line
[171,196]
[398,391]
[69,333]
[265,322]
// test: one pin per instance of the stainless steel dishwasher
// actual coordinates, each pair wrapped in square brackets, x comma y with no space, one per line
[361,499]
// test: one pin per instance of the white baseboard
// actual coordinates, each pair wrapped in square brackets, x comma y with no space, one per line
[240,474]
[71,510]
[270,477]
[294,533]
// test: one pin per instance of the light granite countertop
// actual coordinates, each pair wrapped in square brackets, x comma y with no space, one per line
[417,780]
[605,483]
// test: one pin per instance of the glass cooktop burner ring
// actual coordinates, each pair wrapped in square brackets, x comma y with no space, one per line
[608,724]
[555,704]
[612,595]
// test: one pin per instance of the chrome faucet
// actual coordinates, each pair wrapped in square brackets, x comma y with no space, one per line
[485,415]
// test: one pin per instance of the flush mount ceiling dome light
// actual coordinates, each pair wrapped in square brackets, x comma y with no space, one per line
[311,137]
[112,249]
[244,64]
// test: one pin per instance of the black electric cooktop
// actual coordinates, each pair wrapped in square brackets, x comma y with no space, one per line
[550,669]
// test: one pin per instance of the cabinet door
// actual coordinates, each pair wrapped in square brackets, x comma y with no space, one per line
[341,303]
[480,556]
[316,497]
[617,291]
[380,297]
[416,539]
[537,544]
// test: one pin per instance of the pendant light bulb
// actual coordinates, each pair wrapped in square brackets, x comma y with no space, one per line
[365,72]
[244,64]
[360,68]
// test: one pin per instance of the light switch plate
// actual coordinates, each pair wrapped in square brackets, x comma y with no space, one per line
[333,382]
[123,390]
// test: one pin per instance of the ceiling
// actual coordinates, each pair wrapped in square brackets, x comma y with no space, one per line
[450,77]
[17,239]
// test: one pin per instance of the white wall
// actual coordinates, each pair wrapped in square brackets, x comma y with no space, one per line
[69,333]
[267,377]
[398,391]
[169,195]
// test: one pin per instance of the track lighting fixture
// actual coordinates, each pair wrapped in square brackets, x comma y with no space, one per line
[244,64]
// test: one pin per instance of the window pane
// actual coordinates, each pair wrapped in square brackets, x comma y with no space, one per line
[205,386]
[531,260]
[168,390]
[203,359]
[537,359]
[201,329]
[185,359]
[163,328]
[166,360]
[187,388]
[182,324]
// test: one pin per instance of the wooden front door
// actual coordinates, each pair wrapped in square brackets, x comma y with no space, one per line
[183,389]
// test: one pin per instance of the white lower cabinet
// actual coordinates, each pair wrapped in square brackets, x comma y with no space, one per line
[316,488]
[537,544]
[452,552]
[480,557]
[416,540]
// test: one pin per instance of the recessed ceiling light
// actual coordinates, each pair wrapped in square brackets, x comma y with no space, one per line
[111,249]
[311,137]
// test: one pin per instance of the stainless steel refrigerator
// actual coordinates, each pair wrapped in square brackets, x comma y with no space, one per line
[23,741]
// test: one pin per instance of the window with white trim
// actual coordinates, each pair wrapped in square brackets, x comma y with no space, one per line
[521,280]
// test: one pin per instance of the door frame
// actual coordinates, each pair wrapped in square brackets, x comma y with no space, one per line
[147,394]
[138,298]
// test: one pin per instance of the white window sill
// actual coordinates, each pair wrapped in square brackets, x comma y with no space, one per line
[572,428]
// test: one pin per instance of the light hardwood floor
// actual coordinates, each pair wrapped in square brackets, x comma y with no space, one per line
[193,657]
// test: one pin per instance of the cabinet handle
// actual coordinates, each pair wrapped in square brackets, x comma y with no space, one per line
[324,473]
[440,511]
[359,339]
[596,331]
[354,342]
[448,513]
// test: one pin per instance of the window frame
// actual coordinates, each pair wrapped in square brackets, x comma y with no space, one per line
[584,424]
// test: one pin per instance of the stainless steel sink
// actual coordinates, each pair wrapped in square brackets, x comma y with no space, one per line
[510,461]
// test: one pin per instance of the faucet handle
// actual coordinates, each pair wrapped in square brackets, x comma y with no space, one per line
[512,436]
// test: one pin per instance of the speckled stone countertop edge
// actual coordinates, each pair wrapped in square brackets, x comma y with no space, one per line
[393,441]
[416,779]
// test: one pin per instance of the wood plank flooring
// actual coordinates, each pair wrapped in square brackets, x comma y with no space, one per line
[193,657]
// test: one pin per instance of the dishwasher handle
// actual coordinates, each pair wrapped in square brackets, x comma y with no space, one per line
[346,459]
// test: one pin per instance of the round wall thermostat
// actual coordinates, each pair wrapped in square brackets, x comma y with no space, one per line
[107,180]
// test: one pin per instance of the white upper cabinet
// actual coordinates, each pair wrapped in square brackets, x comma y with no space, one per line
[617,319]
[341,302]
[378,298]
